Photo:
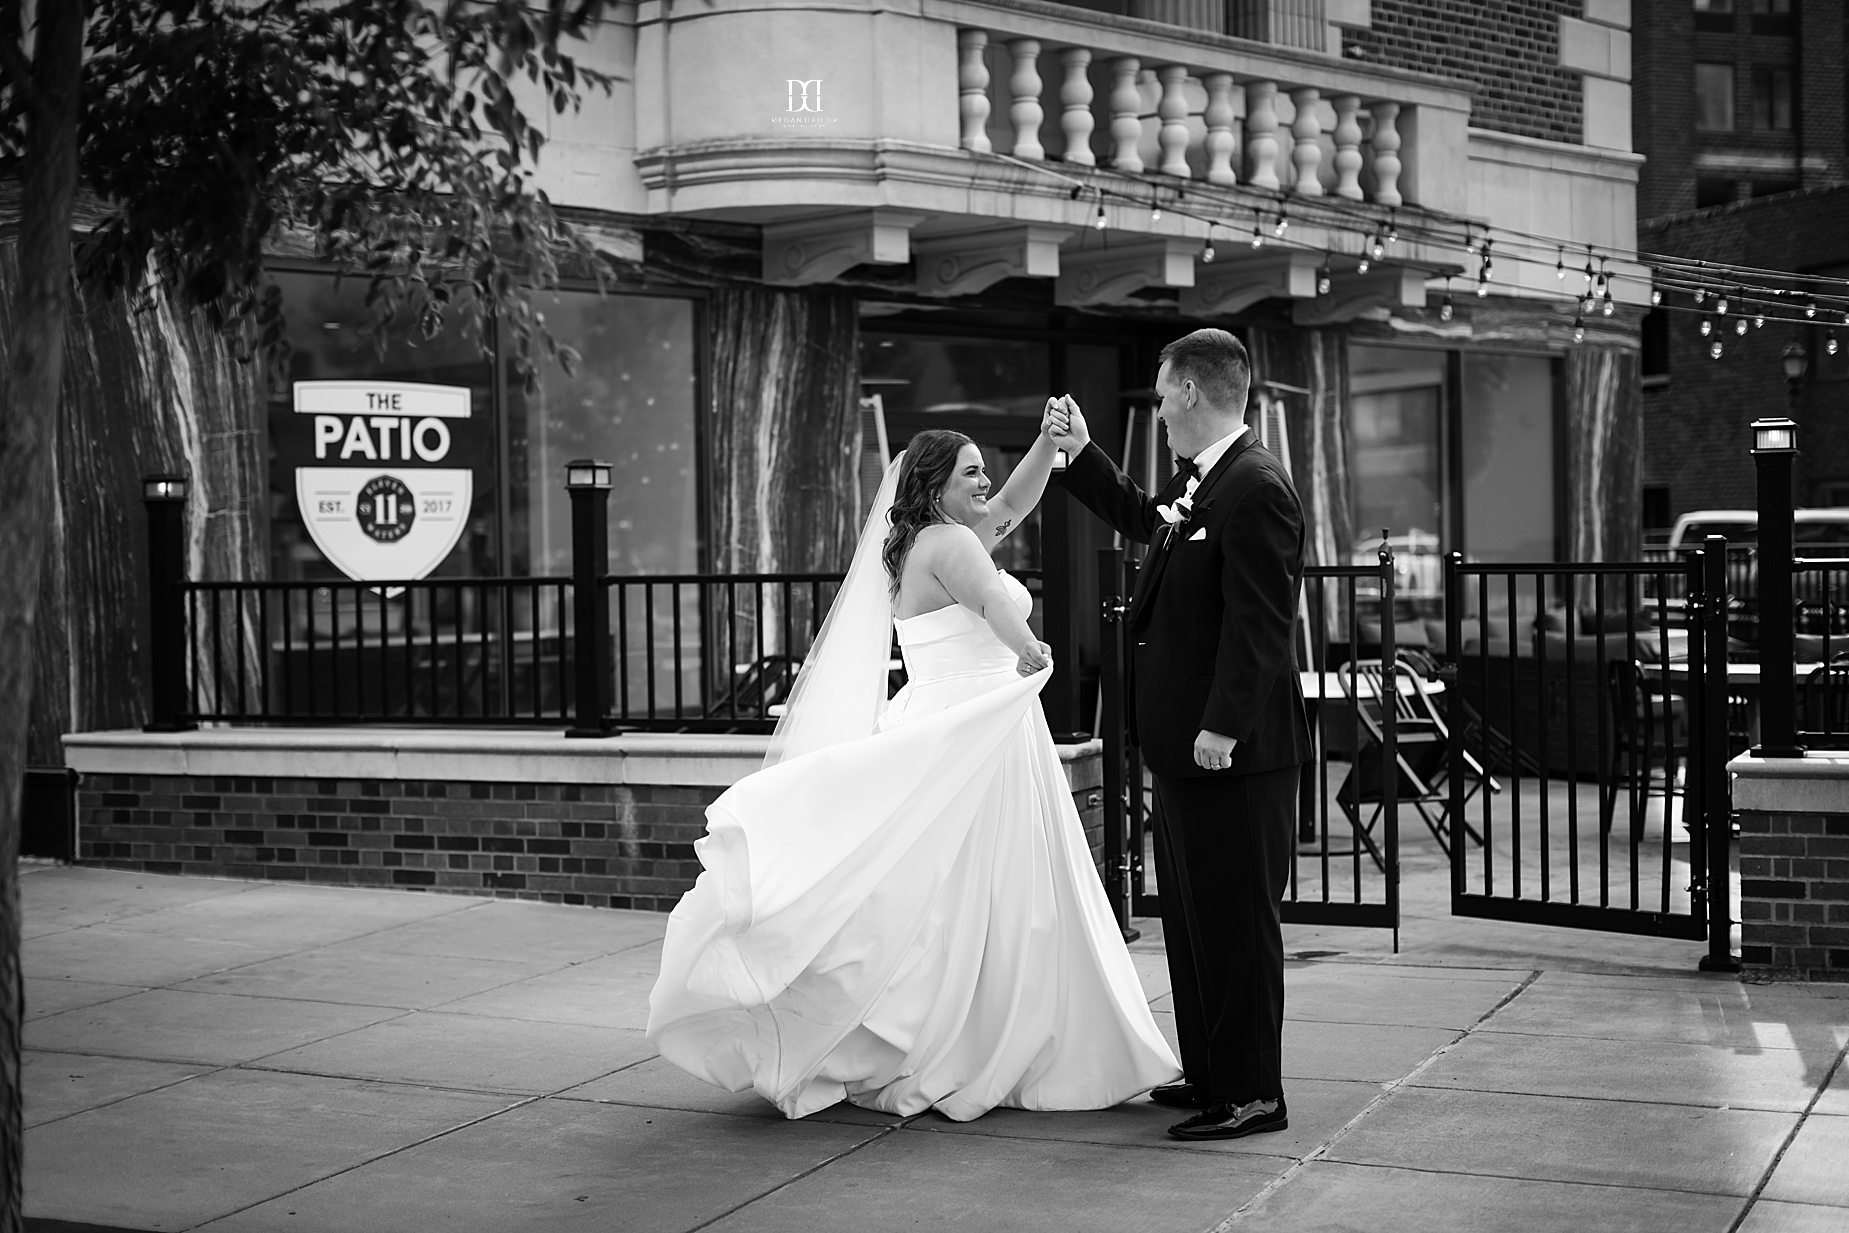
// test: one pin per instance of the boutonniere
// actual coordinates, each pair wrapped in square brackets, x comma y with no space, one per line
[1180,515]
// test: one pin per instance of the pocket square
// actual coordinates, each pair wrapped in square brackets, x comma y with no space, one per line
[1200,534]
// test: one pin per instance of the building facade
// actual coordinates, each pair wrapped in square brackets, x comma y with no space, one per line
[833,224]
[1739,114]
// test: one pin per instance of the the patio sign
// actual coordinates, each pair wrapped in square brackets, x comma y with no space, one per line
[382,495]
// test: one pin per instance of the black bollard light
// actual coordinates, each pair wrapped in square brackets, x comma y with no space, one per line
[1775,455]
[164,496]
[588,482]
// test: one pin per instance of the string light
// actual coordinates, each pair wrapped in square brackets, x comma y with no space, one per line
[1445,309]
[1720,304]
[1714,349]
[1609,306]
[1560,263]
[1393,228]
[1483,274]
[1700,295]
[1810,308]
[1759,321]
[1099,221]
[1258,234]
[1362,266]
[1829,343]
[1283,223]
[1707,327]
[1579,328]
[1739,325]
[1377,247]
[1656,295]
[1207,252]
[1155,211]
[1324,280]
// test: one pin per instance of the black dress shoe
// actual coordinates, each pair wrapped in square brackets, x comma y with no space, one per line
[1180,1096]
[1227,1120]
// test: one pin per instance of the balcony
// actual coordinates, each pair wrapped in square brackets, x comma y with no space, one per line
[977,140]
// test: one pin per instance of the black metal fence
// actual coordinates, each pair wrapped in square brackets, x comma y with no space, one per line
[1821,717]
[1575,788]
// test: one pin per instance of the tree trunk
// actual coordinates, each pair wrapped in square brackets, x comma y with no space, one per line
[48,189]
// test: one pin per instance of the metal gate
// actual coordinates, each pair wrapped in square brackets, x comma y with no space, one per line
[1345,870]
[1586,779]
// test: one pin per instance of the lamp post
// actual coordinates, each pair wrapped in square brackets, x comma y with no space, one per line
[588,482]
[165,499]
[1775,456]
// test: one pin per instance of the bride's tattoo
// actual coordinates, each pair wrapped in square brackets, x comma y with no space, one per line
[1001,528]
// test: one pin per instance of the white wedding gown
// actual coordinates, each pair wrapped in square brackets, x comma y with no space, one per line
[910,920]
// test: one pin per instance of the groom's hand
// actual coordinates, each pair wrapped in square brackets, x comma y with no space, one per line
[1065,423]
[1213,752]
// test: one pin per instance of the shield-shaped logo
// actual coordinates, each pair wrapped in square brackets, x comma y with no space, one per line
[379,500]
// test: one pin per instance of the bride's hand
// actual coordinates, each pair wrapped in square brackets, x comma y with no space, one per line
[1034,657]
[1065,424]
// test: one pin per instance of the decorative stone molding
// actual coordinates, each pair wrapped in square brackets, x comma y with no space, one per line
[1351,294]
[816,250]
[1108,275]
[973,261]
[1227,287]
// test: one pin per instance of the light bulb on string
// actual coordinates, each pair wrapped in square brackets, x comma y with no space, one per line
[1656,295]
[1361,267]
[1714,349]
[1560,263]
[1207,252]
[1445,308]
[1588,268]
[1377,246]
[1155,211]
[1720,304]
[1579,328]
[1700,295]
[1324,280]
[1283,223]
[1759,321]
[1829,343]
[1258,234]
[1739,325]
[1099,221]
[1810,308]
[1609,306]
[1707,327]
[1393,228]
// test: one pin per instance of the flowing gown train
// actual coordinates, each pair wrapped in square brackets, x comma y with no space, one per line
[910,920]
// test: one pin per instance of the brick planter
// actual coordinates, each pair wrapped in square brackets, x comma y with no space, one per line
[608,823]
[1794,865]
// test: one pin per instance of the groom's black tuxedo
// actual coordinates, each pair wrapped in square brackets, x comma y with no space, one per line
[1210,628]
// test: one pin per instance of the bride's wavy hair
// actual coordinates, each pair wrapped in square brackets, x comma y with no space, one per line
[930,460]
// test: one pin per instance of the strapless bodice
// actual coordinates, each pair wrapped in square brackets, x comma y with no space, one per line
[956,641]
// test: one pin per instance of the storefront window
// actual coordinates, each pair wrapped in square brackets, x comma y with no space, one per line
[1507,447]
[1396,399]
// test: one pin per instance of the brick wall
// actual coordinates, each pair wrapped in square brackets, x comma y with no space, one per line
[616,846]
[1696,428]
[1794,894]
[1508,51]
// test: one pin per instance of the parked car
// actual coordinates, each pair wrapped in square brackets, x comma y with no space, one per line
[1821,595]
[1821,525]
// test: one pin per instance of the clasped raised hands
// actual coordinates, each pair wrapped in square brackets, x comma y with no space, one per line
[1065,424]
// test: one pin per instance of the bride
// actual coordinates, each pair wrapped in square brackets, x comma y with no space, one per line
[900,908]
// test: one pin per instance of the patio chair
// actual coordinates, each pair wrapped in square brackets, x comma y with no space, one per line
[1649,734]
[1422,749]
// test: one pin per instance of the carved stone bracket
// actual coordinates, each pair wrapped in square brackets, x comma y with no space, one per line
[1351,294]
[816,250]
[1108,275]
[973,261]
[1226,287]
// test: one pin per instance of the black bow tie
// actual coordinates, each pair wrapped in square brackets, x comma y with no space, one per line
[1188,467]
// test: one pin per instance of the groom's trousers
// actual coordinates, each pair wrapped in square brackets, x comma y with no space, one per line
[1223,852]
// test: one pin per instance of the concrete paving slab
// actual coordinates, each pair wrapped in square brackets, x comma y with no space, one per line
[304,915]
[1326,1195]
[1767,1217]
[1370,1052]
[212,1145]
[1593,1068]
[1610,1142]
[173,1026]
[1728,1015]
[1318,1109]
[1411,997]
[120,954]
[611,991]
[659,1084]
[1815,1168]
[58,897]
[473,1052]
[1835,1098]
[952,1182]
[1152,970]
[59,1084]
[564,1165]
[368,978]
[52,995]
[517,930]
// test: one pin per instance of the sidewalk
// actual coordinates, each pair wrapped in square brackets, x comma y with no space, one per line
[238,1056]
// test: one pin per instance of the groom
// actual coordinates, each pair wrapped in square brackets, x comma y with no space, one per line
[1218,715]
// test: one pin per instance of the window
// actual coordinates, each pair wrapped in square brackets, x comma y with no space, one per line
[1771,16]
[1655,359]
[1714,191]
[1771,99]
[1714,15]
[1714,97]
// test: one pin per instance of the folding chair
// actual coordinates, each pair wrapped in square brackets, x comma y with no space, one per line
[1426,699]
[1422,748]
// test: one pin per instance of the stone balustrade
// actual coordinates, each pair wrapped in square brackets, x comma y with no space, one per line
[1097,106]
